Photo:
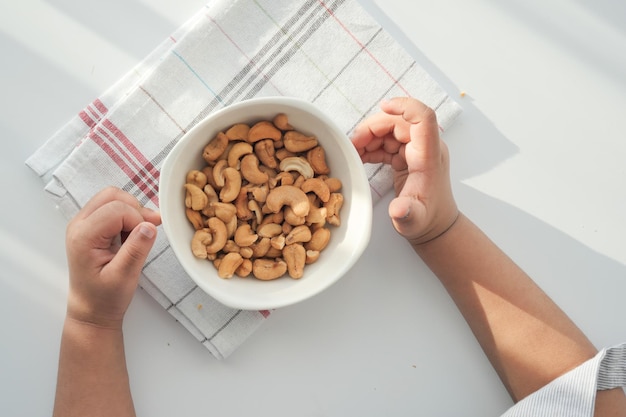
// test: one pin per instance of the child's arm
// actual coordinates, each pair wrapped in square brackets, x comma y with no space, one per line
[107,244]
[527,338]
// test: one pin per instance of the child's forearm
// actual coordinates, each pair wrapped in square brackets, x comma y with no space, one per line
[527,338]
[92,379]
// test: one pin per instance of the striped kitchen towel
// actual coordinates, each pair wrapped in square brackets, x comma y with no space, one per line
[329,52]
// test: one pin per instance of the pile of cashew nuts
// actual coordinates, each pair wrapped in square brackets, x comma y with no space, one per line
[264,203]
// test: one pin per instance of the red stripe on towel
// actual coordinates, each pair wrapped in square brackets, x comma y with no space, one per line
[142,173]
[363,47]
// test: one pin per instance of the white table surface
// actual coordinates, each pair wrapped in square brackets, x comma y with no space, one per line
[538,162]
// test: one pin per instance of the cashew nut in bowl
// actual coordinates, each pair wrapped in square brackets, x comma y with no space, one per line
[317,186]
[195,198]
[317,159]
[244,236]
[264,204]
[265,151]
[297,142]
[281,121]
[295,258]
[238,132]
[232,185]
[238,151]
[201,239]
[268,269]
[263,130]
[296,163]
[229,264]
[197,178]
[219,235]
[250,170]
[195,218]
[291,196]
[215,148]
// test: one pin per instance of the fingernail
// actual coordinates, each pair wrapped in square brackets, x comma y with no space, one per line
[146,231]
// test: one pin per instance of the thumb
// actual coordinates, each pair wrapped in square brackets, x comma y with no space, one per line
[132,255]
[406,213]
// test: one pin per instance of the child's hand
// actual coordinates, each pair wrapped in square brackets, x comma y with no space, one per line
[107,244]
[406,136]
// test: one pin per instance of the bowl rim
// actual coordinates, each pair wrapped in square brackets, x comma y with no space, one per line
[362,184]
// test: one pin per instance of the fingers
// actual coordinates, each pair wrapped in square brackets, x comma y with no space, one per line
[132,255]
[111,194]
[381,126]
[403,120]
[107,222]
[424,129]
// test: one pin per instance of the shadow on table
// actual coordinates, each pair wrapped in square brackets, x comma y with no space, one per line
[131,25]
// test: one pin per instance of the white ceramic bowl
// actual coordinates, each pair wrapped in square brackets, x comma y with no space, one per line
[348,241]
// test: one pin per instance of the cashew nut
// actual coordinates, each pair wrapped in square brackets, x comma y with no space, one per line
[297,142]
[195,198]
[263,130]
[260,248]
[241,203]
[317,215]
[231,246]
[317,159]
[232,185]
[237,152]
[296,163]
[282,178]
[282,153]
[290,196]
[210,193]
[229,264]
[217,228]
[250,170]
[197,178]
[245,269]
[312,256]
[238,131]
[215,148]
[333,205]
[293,219]
[199,242]
[269,230]
[318,186]
[218,173]
[281,121]
[224,211]
[334,184]
[299,234]
[254,207]
[231,227]
[278,242]
[295,258]
[319,239]
[259,192]
[272,252]
[268,269]
[264,150]
[246,252]
[195,218]
[244,236]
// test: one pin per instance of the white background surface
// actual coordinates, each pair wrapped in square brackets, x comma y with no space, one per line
[538,162]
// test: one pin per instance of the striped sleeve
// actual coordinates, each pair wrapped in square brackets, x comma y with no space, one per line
[573,394]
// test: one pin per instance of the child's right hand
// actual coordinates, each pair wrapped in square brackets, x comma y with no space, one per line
[405,135]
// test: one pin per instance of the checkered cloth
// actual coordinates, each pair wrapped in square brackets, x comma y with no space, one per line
[330,53]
